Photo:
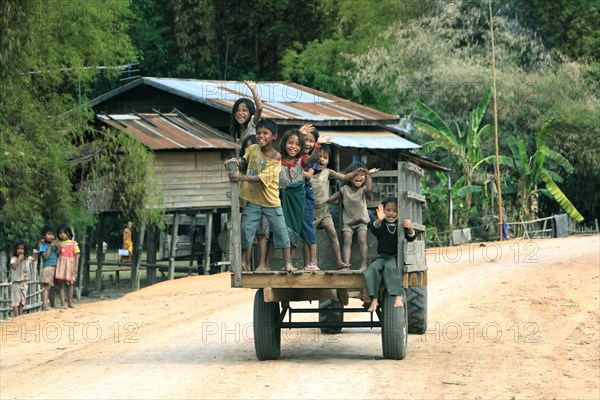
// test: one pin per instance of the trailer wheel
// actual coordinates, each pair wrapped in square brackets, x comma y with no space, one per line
[331,316]
[267,335]
[394,328]
[416,301]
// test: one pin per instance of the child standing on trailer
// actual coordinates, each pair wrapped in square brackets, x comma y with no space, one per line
[355,215]
[49,250]
[384,266]
[309,238]
[245,114]
[261,234]
[259,187]
[320,185]
[68,262]
[20,264]
[292,191]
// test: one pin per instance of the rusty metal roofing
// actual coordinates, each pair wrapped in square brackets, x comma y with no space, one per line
[168,131]
[284,102]
[369,139]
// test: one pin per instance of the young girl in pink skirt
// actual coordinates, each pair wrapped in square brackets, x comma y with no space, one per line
[68,261]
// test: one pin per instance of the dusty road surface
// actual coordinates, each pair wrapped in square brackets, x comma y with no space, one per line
[516,320]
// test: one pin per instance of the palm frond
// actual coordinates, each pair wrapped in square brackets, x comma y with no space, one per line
[558,158]
[560,197]
[463,191]
[541,136]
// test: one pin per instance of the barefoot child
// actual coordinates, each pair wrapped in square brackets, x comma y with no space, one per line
[309,238]
[320,185]
[385,266]
[259,187]
[68,262]
[261,234]
[20,265]
[48,249]
[355,216]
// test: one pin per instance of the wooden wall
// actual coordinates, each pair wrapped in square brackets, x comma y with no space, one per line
[192,179]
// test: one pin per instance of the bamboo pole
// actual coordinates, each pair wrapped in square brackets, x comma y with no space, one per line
[500,230]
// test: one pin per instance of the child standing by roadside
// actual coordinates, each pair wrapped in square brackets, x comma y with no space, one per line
[320,185]
[68,262]
[20,264]
[355,215]
[49,249]
[260,189]
[293,192]
[385,266]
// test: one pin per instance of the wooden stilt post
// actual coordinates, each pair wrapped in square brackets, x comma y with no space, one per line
[137,259]
[173,244]
[99,253]
[207,242]
[151,255]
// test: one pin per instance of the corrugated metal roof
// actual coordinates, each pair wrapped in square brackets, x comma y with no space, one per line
[369,139]
[168,131]
[284,102]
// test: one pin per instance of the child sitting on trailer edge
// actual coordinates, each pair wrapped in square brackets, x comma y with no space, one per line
[385,266]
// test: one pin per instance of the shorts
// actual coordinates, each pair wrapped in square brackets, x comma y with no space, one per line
[322,217]
[263,228]
[356,227]
[252,217]
[48,275]
[18,294]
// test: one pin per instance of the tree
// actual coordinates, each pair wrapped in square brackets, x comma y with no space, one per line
[49,54]
[533,175]
[442,60]
[465,145]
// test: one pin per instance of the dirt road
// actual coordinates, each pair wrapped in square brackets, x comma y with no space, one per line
[516,320]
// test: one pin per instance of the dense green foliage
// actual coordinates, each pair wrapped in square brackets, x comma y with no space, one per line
[443,60]
[49,52]
[225,39]
[388,54]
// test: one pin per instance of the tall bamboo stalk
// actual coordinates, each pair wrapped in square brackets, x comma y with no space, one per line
[496,125]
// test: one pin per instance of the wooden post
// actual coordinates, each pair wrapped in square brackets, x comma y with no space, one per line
[85,267]
[235,245]
[402,212]
[498,182]
[151,255]
[82,261]
[137,259]
[207,242]
[99,254]
[172,248]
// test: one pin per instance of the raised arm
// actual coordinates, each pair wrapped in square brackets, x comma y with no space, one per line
[315,154]
[369,181]
[257,102]
[347,176]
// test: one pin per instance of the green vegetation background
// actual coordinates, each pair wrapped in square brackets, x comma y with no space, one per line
[56,167]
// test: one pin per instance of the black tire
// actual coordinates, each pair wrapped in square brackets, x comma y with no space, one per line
[331,316]
[416,301]
[394,328]
[267,336]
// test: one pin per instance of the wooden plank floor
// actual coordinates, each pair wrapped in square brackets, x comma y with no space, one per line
[303,279]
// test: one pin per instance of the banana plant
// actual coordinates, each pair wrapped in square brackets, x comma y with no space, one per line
[531,176]
[464,145]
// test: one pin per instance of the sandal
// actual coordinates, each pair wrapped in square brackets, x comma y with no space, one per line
[311,267]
